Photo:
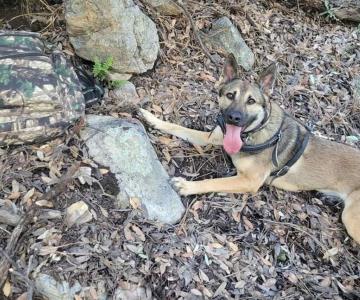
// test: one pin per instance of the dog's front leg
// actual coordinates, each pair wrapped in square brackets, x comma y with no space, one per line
[195,137]
[235,184]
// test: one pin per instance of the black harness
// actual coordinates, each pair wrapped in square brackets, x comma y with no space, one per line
[301,143]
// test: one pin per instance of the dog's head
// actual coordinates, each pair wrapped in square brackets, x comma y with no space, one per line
[244,105]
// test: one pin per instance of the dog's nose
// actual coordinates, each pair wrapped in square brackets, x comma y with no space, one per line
[234,117]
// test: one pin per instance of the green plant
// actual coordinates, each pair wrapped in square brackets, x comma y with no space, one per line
[101,69]
[329,12]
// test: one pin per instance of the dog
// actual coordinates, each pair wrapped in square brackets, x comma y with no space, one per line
[268,146]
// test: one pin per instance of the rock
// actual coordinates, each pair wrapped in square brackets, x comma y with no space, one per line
[356,90]
[126,94]
[225,36]
[50,289]
[118,76]
[9,218]
[165,7]
[123,146]
[113,28]
[77,213]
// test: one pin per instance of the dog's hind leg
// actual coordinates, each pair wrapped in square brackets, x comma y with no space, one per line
[195,137]
[351,215]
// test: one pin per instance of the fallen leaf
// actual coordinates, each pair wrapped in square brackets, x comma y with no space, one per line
[138,232]
[331,252]
[7,289]
[135,202]
[77,213]
[44,203]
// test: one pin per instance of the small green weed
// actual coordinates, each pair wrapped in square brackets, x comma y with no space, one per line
[329,12]
[101,69]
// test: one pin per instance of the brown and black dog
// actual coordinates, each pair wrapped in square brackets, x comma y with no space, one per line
[268,146]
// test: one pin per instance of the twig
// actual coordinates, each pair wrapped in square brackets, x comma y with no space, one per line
[196,32]
[4,262]
[25,278]
[63,183]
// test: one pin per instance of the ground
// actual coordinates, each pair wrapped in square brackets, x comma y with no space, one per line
[273,245]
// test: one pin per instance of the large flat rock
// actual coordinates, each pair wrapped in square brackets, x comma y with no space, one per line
[123,146]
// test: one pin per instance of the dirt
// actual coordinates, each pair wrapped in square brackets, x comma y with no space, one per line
[272,245]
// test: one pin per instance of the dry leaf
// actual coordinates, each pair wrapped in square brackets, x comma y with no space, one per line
[240,284]
[44,203]
[103,171]
[7,289]
[28,195]
[331,252]
[77,213]
[135,202]
[220,289]
[292,278]
[138,232]
[47,250]
[248,224]
[23,296]
[128,234]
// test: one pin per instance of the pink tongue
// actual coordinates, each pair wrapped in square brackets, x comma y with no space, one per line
[232,139]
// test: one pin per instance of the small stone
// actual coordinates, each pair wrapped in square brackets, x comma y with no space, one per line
[165,7]
[49,288]
[126,94]
[123,146]
[352,139]
[225,36]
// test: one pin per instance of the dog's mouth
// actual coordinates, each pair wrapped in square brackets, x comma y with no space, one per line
[232,139]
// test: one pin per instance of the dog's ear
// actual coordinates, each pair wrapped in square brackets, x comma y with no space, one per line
[267,79]
[230,68]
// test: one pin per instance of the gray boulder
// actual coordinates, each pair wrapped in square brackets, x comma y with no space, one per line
[113,28]
[123,146]
[226,37]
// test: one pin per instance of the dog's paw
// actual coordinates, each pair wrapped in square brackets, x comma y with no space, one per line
[181,185]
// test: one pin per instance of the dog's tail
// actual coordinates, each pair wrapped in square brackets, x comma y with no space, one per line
[351,215]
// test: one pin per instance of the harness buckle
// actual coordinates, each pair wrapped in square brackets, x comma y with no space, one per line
[282,171]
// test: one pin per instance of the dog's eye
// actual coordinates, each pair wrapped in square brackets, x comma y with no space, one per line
[250,100]
[231,96]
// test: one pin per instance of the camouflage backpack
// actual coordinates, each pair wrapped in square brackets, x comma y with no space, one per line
[40,94]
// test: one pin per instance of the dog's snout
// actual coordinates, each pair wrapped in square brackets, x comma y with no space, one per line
[234,117]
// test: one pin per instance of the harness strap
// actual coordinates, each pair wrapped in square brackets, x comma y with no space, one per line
[299,150]
[259,147]
[274,140]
